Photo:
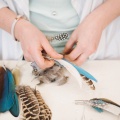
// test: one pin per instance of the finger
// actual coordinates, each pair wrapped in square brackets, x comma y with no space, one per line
[81,59]
[50,51]
[28,57]
[76,52]
[65,54]
[69,45]
[41,61]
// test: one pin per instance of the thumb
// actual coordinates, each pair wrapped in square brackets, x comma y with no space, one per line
[50,51]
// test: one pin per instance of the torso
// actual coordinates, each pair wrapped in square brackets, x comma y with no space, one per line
[54,17]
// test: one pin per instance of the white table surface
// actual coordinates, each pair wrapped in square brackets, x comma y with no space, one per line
[61,98]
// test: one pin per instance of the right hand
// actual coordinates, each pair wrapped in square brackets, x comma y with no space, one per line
[33,42]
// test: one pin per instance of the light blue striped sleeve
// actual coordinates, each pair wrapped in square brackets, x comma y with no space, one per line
[3,4]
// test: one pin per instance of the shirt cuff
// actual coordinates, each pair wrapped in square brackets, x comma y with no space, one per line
[3,4]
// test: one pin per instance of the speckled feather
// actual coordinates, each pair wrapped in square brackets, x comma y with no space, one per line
[31,97]
[88,81]
[45,112]
[52,74]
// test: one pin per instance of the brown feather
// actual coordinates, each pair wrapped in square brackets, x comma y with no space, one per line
[45,112]
[88,81]
[2,72]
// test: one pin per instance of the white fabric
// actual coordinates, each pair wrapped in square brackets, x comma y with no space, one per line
[109,47]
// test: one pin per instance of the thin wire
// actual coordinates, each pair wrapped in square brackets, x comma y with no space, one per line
[83,115]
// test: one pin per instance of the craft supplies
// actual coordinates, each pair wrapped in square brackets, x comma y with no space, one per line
[52,74]
[8,99]
[34,107]
[101,104]
[88,81]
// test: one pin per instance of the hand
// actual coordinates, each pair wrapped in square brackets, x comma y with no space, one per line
[33,42]
[86,38]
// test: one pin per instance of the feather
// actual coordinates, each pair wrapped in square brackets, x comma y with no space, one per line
[43,79]
[34,107]
[27,115]
[14,110]
[107,105]
[2,72]
[62,80]
[36,70]
[45,112]
[16,74]
[88,81]
[109,101]
[29,100]
[52,74]
[98,109]
[83,72]
[9,97]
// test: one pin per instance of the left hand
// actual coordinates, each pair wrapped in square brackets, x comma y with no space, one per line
[86,38]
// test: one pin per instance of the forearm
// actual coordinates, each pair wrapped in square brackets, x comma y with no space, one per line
[105,13]
[6,19]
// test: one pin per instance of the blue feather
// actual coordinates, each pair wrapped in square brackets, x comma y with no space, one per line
[98,109]
[6,102]
[83,72]
[9,99]
[15,108]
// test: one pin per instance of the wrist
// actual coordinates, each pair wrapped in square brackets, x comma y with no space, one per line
[20,27]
